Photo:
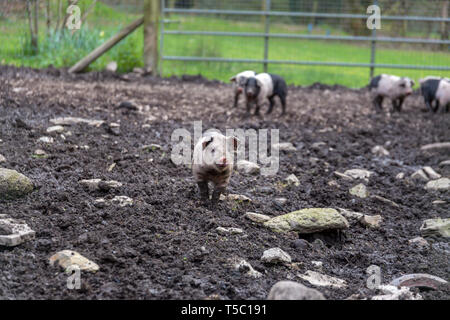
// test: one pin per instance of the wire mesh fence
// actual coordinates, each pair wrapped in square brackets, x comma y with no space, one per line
[330,35]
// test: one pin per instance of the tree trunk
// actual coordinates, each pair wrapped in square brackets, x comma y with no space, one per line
[444,29]
[48,16]
[151,20]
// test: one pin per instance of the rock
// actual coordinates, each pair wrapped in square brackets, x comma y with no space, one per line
[379,198]
[333,183]
[433,175]
[226,231]
[359,190]
[358,173]
[47,140]
[40,153]
[419,241]
[292,180]
[98,184]
[308,221]
[2,159]
[420,280]
[322,280]
[235,197]
[379,151]
[394,293]
[351,214]
[275,255]
[247,167]
[111,67]
[245,267]
[14,232]
[317,264]
[14,184]
[151,147]
[122,201]
[439,202]
[280,201]
[256,217]
[67,258]
[55,129]
[436,227]
[68,121]
[444,163]
[318,145]
[400,176]
[290,290]
[343,176]
[442,184]
[371,221]
[284,146]
[435,146]
[301,244]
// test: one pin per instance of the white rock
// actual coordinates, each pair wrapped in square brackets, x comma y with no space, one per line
[436,146]
[122,201]
[290,290]
[2,159]
[421,242]
[14,232]
[276,255]
[247,167]
[400,176]
[343,176]
[256,217]
[322,280]
[94,184]
[67,121]
[358,173]
[394,293]
[235,197]
[46,140]
[433,175]
[292,180]
[284,146]
[112,66]
[444,163]
[68,258]
[57,129]
[371,221]
[245,267]
[359,190]
[438,185]
[226,231]
[379,151]
[437,227]
[420,175]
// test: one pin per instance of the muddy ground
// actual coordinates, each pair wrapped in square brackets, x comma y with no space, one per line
[153,249]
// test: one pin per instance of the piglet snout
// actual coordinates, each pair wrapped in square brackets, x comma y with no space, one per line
[223,162]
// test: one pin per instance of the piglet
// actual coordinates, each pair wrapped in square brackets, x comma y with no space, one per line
[436,90]
[265,86]
[392,87]
[213,162]
[238,82]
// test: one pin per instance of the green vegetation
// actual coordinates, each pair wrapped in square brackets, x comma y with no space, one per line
[64,49]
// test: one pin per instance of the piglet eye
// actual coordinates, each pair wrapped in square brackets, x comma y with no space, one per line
[212,151]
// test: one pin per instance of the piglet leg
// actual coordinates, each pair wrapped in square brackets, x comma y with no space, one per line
[204,191]
[216,194]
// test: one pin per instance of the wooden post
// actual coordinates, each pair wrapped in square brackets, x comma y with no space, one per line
[151,21]
[91,57]
[444,29]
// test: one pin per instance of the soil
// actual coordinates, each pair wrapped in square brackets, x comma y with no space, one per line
[165,246]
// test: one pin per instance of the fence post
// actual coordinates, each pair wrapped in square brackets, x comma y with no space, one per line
[374,48]
[267,6]
[151,20]
[161,38]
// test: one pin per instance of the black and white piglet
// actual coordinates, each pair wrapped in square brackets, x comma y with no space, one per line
[238,82]
[436,90]
[262,86]
[392,87]
[213,162]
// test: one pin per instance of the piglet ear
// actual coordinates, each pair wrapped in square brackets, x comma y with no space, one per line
[235,142]
[233,79]
[206,142]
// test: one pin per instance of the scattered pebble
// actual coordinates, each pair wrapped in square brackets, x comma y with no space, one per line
[247,167]
[442,184]
[290,290]
[257,217]
[14,184]
[436,227]
[380,151]
[419,241]
[371,221]
[67,258]
[55,129]
[284,146]
[359,190]
[358,173]
[14,232]
[394,293]
[47,140]
[322,280]
[2,159]
[436,146]
[235,197]
[226,231]
[292,180]
[67,121]
[276,255]
[245,267]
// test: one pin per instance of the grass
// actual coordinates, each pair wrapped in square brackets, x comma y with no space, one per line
[64,50]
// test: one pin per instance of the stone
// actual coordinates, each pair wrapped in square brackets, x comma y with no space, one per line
[280,201]
[419,241]
[245,267]
[55,129]
[292,180]
[111,66]
[379,151]
[358,173]
[382,199]
[226,231]
[284,146]
[439,202]
[343,176]
[235,197]
[433,175]
[99,184]
[359,190]
[351,214]
[257,217]
[14,184]
[400,176]
[47,140]
[67,258]
[322,280]
[2,159]
[40,153]
[308,221]
[14,232]
[435,146]
[436,227]
[371,221]
[151,147]
[247,167]
[122,201]
[68,121]
[275,255]
[420,280]
[444,163]
[442,184]
[394,293]
[290,290]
